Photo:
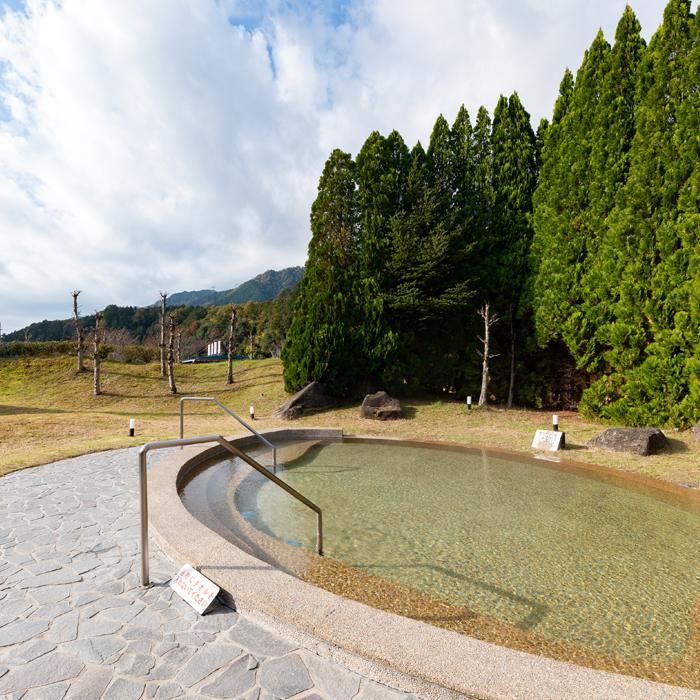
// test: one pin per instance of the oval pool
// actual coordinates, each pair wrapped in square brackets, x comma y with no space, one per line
[570,562]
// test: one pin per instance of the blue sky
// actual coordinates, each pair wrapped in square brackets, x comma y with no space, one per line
[177,144]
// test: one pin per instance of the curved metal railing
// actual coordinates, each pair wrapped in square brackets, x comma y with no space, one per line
[182,442]
[231,413]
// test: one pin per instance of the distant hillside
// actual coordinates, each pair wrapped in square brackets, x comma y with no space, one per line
[260,288]
[140,321]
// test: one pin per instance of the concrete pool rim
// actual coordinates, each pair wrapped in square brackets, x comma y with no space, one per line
[403,653]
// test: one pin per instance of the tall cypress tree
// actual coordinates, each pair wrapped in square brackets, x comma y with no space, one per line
[325,339]
[481,164]
[513,180]
[688,222]
[381,174]
[429,287]
[645,261]
[566,239]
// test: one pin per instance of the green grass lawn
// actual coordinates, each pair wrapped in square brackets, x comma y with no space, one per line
[48,412]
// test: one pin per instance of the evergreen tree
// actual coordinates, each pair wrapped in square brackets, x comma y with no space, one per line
[646,256]
[513,181]
[381,174]
[429,289]
[324,340]
[463,182]
[481,169]
[565,243]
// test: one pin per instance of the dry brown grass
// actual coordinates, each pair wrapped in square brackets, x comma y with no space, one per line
[48,412]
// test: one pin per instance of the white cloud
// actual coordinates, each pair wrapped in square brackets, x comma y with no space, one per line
[177,144]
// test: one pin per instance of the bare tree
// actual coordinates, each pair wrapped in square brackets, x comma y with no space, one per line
[485,313]
[252,340]
[178,350]
[96,353]
[231,328]
[121,337]
[27,335]
[79,333]
[163,300]
[171,357]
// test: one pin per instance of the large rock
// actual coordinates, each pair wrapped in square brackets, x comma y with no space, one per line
[381,406]
[696,431]
[639,441]
[313,397]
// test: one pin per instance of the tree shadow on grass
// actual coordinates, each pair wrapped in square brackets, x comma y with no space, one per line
[22,410]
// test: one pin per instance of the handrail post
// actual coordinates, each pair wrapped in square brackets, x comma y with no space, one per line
[143,507]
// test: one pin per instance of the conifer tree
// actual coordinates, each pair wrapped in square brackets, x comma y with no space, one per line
[323,342]
[481,168]
[381,173]
[463,161]
[513,180]
[430,291]
[649,337]
[440,161]
[565,241]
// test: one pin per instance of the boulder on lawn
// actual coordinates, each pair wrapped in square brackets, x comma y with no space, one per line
[313,397]
[639,441]
[696,431]
[381,406]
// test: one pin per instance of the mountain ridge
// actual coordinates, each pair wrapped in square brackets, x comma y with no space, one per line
[266,285]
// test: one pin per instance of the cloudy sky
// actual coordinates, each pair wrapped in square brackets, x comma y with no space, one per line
[174,145]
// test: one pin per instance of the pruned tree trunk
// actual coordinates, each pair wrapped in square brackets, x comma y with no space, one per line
[96,353]
[163,299]
[171,356]
[252,338]
[178,352]
[231,328]
[79,333]
[512,359]
[485,313]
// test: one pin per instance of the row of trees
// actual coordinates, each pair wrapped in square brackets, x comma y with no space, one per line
[616,248]
[582,239]
[125,327]
[406,247]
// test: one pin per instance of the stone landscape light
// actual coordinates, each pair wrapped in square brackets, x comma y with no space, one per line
[469,403]
[132,427]
[252,413]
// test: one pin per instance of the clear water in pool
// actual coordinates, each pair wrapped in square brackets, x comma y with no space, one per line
[574,557]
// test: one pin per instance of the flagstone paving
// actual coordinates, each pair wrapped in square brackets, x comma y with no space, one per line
[75,624]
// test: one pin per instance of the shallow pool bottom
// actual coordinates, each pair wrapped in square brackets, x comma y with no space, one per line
[410,649]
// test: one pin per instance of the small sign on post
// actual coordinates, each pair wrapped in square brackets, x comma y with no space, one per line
[196,589]
[548,440]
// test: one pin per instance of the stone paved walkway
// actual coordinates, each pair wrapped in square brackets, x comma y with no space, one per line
[75,624]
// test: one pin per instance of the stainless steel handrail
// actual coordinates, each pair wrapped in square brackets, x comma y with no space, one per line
[182,442]
[243,423]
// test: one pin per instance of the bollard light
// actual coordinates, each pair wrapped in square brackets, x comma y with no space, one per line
[469,403]
[132,427]
[555,423]
[252,413]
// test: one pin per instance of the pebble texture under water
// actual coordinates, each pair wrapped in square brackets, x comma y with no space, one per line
[547,551]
